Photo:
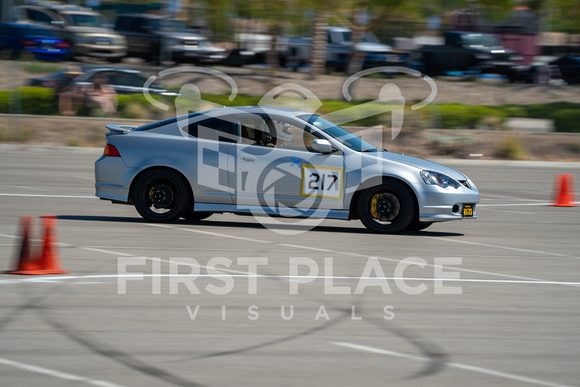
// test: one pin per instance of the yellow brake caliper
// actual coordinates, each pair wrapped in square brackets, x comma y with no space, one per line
[374,205]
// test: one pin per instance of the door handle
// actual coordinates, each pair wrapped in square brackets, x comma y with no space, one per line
[249,159]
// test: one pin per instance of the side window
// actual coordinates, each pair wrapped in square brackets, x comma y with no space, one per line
[275,132]
[217,129]
[124,23]
[294,136]
[129,79]
[254,130]
[39,17]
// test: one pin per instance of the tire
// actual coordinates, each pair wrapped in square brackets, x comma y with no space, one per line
[418,225]
[195,216]
[161,196]
[386,209]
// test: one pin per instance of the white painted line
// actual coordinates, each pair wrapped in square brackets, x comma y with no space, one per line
[242,274]
[56,374]
[352,254]
[510,211]
[49,196]
[460,366]
[518,204]
[537,252]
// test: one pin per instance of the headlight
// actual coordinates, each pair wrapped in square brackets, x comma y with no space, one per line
[439,179]
[119,40]
[81,39]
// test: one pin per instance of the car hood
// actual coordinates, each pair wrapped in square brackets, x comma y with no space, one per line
[373,47]
[181,35]
[93,30]
[422,164]
[494,50]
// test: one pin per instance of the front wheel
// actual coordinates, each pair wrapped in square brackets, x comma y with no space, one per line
[386,209]
[161,196]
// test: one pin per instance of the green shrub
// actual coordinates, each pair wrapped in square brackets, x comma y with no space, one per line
[28,100]
[548,110]
[512,148]
[455,116]
[567,120]
[515,111]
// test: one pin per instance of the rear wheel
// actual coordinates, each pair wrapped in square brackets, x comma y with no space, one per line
[161,196]
[387,208]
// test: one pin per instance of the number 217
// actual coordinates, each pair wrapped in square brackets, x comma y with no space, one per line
[319,180]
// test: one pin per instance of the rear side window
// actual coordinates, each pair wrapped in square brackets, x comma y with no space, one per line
[124,23]
[217,129]
[39,17]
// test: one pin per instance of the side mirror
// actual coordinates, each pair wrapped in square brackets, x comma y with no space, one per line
[322,146]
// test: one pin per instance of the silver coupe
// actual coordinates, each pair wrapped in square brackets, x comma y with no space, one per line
[274,162]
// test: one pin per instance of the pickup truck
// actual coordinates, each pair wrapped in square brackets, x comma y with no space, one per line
[465,53]
[296,51]
[154,38]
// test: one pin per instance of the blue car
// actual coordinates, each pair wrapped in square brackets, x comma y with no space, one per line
[41,42]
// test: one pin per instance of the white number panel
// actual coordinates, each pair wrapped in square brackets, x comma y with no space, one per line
[322,182]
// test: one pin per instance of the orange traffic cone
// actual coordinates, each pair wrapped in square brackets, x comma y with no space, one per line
[25,262]
[48,262]
[564,196]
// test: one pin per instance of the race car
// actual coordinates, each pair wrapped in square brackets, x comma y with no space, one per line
[274,162]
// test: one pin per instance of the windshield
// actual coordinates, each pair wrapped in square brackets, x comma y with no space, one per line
[83,20]
[172,25]
[481,40]
[344,137]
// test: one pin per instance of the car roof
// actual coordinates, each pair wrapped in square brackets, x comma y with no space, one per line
[225,111]
[87,68]
[256,110]
[144,15]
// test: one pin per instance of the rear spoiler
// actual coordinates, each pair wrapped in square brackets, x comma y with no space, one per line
[124,129]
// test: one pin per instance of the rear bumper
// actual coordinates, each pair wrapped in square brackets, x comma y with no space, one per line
[112,179]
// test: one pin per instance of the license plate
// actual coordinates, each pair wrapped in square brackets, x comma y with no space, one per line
[468,210]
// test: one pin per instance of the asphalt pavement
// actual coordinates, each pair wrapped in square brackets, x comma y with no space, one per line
[237,301]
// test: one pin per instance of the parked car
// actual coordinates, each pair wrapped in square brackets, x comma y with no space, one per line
[569,67]
[277,162]
[157,38]
[123,80]
[465,52]
[40,41]
[296,51]
[80,25]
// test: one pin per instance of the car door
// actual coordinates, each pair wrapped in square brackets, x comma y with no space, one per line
[213,138]
[277,169]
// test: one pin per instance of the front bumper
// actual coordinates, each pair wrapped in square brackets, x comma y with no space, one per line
[100,51]
[440,205]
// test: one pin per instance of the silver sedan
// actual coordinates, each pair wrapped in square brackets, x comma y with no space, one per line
[274,162]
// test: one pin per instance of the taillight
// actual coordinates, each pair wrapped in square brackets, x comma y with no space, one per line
[62,45]
[111,150]
[27,43]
